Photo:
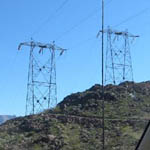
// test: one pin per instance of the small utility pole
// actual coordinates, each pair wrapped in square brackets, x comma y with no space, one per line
[103,100]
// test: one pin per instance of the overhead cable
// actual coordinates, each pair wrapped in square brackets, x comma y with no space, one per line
[50,17]
[81,21]
[131,17]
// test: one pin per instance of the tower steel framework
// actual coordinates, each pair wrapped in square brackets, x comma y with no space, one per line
[118,62]
[41,87]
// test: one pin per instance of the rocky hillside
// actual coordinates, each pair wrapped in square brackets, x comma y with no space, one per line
[4,118]
[76,122]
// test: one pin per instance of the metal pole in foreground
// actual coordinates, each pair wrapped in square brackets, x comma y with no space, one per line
[103,100]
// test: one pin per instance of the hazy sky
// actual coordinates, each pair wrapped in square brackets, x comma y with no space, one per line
[74,26]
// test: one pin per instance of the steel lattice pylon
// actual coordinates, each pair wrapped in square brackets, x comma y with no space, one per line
[118,68]
[118,65]
[41,87]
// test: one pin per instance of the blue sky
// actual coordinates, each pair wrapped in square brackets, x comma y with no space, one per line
[73,26]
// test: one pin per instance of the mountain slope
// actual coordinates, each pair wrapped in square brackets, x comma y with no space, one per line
[76,122]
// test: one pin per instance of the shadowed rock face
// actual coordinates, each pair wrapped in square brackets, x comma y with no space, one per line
[76,122]
[4,118]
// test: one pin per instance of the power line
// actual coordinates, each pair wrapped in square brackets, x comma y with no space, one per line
[50,17]
[132,17]
[62,5]
[108,3]
[82,21]
[83,42]
[78,24]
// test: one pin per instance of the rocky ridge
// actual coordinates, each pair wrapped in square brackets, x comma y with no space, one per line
[76,122]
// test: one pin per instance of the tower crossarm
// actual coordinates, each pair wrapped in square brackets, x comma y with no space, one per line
[55,47]
[42,46]
[118,33]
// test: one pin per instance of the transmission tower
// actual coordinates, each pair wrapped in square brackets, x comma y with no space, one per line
[41,87]
[118,65]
